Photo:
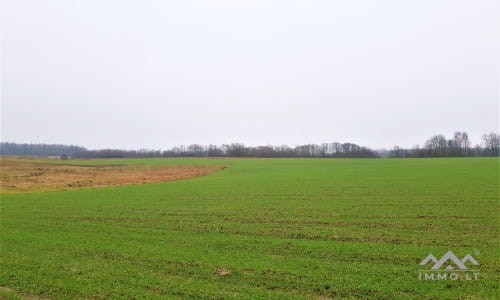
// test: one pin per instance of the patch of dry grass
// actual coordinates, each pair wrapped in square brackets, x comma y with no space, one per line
[19,175]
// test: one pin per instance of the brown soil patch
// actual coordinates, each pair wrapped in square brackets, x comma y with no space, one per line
[222,271]
[22,175]
[8,293]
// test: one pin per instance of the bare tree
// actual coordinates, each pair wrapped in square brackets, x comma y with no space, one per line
[491,142]
[460,144]
[437,145]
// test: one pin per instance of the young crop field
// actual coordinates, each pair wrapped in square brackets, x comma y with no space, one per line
[249,229]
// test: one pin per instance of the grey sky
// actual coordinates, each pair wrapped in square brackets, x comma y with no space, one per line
[154,74]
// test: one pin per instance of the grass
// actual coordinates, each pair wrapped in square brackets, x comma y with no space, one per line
[259,229]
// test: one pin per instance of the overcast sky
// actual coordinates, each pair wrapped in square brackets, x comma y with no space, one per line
[154,74]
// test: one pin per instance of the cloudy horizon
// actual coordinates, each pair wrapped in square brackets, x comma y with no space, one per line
[157,74]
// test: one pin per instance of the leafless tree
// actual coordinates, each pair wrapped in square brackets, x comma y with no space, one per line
[491,142]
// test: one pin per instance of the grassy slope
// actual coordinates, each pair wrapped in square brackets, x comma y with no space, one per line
[284,227]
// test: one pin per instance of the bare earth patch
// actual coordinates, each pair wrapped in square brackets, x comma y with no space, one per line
[222,271]
[24,175]
[8,293]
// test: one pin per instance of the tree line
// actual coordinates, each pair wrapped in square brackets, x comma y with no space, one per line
[195,150]
[240,150]
[459,145]
[40,149]
[435,146]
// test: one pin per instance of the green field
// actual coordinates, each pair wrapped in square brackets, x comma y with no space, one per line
[259,229]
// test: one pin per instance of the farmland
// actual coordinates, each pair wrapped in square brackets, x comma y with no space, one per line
[257,229]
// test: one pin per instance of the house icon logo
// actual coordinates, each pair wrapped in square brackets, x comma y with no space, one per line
[449,266]
[449,260]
